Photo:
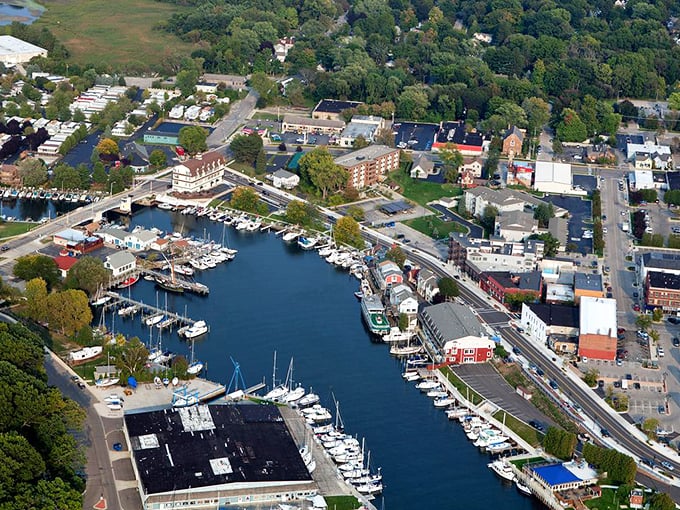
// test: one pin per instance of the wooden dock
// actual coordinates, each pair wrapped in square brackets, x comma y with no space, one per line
[147,310]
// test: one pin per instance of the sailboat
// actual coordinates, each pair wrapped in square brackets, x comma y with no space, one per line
[279,392]
[224,248]
[170,284]
[194,367]
[105,382]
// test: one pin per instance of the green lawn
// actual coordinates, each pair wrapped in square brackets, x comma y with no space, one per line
[526,432]
[119,34]
[428,224]
[265,116]
[608,501]
[467,392]
[521,462]
[420,191]
[14,228]
[342,502]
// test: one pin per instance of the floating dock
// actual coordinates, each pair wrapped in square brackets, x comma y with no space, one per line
[147,310]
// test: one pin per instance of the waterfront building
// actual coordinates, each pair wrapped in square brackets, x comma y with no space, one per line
[468,349]
[597,328]
[561,477]
[557,325]
[120,263]
[427,284]
[369,165]
[76,242]
[203,172]
[140,240]
[449,321]
[112,236]
[387,274]
[64,264]
[284,179]
[215,456]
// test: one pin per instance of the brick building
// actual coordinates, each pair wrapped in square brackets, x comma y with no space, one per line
[369,165]
[662,290]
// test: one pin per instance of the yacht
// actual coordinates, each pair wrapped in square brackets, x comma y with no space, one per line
[307,243]
[498,447]
[326,251]
[427,385]
[397,335]
[308,400]
[105,382]
[184,270]
[444,401]
[488,437]
[294,395]
[197,329]
[290,236]
[406,350]
[524,489]
[503,469]
[195,368]
[373,312]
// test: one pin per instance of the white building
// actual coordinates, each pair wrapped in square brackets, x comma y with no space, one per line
[284,179]
[366,126]
[648,147]
[140,240]
[112,236]
[120,263]
[427,284]
[641,179]
[202,173]
[541,321]
[553,177]
[15,51]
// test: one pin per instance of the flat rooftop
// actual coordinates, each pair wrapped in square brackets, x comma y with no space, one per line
[556,474]
[205,446]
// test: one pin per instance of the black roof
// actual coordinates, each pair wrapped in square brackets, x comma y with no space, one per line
[333,106]
[673,179]
[556,315]
[228,444]
[586,281]
[660,280]
[454,132]
[396,207]
[523,281]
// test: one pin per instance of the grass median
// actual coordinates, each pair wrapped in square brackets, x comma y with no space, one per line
[526,432]
[471,395]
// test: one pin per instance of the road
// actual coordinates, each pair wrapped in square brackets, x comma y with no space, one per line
[238,115]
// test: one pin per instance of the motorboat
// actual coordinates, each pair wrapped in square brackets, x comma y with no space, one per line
[360,295]
[154,355]
[370,489]
[195,368]
[291,236]
[84,354]
[326,251]
[498,447]
[197,329]
[405,350]
[524,489]
[444,401]
[128,310]
[128,282]
[454,414]
[437,393]
[276,393]
[184,270]
[115,406]
[185,401]
[308,400]
[307,243]
[105,382]
[165,206]
[427,385]
[411,376]
[503,469]
[397,335]
[488,437]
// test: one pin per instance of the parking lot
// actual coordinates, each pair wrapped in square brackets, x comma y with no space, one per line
[415,136]
[579,211]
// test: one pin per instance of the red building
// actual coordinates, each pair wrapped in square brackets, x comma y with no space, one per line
[468,349]
[454,135]
[500,284]
[662,290]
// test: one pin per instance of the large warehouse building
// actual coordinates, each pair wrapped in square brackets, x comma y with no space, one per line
[15,51]
[214,456]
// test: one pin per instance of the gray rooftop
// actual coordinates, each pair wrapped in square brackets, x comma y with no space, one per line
[283,174]
[661,260]
[10,45]
[357,129]
[114,232]
[452,320]
[120,258]
[586,281]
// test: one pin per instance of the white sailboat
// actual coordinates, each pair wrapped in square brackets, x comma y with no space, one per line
[194,367]
[280,391]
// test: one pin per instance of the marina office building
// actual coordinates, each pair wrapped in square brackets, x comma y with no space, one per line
[213,456]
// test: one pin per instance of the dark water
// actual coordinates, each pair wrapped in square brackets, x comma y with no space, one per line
[10,13]
[275,297]
[24,209]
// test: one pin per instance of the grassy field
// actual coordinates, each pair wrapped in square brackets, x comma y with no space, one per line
[463,388]
[526,432]
[14,228]
[608,501]
[119,34]
[430,225]
[342,502]
[420,191]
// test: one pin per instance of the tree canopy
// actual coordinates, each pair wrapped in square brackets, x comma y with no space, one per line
[37,266]
[88,274]
[347,231]
[448,288]
[318,169]
[246,199]
[246,148]
[193,139]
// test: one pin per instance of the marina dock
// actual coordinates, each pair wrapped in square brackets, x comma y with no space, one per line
[173,318]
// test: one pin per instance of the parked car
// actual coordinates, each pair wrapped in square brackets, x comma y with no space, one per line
[667,465]
[676,342]
[636,307]
[636,295]
[604,432]
[553,385]
[674,320]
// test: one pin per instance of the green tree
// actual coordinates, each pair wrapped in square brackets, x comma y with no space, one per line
[186,81]
[158,158]
[488,219]
[543,213]
[359,142]
[448,288]
[296,212]
[132,357]
[590,377]
[537,112]
[246,199]
[403,322]
[649,426]
[643,321]
[559,443]
[108,146]
[347,231]
[657,315]
[36,299]
[193,139]
[68,311]
[571,128]
[321,171]
[550,244]
[261,163]
[661,501]
[246,148]
[356,212]
[37,266]
[32,171]
[413,103]
[66,177]
[452,160]
[99,175]
[396,255]
[88,274]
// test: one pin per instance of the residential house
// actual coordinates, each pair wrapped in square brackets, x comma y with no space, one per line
[501,285]
[554,325]
[284,179]
[136,157]
[559,229]
[649,152]
[332,109]
[207,87]
[636,499]
[476,200]
[201,173]
[473,166]
[468,349]
[516,225]
[422,167]
[369,165]
[64,264]
[449,321]
[597,328]
[120,263]
[404,302]
[388,274]
[282,47]
[427,284]
[140,240]
[512,141]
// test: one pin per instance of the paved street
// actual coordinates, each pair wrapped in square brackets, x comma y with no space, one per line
[239,113]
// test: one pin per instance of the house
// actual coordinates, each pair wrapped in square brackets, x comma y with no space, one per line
[422,167]
[64,264]
[587,284]
[597,328]
[159,244]
[559,229]
[512,142]
[427,284]
[404,302]
[449,321]
[468,349]
[476,200]
[369,165]
[649,147]
[548,323]
[636,499]
[136,157]
[365,126]
[552,177]
[516,225]
[120,263]
[501,285]
[284,179]
[473,166]
[140,240]
[388,274]
[207,87]
[113,236]
[332,109]
[467,179]
[475,256]
[662,290]
[201,173]
[282,47]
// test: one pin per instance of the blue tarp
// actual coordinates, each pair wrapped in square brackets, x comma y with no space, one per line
[132,382]
[556,474]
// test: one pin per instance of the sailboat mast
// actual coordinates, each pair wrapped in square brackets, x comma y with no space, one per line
[274,372]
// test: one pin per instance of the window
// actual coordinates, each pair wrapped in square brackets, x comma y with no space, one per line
[469,351]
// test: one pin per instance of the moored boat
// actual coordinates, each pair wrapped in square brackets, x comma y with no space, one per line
[524,489]
[105,382]
[128,282]
[503,469]
[197,329]
[373,312]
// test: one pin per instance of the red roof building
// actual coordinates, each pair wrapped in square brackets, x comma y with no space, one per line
[65,263]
